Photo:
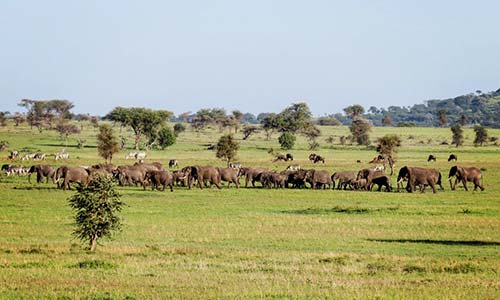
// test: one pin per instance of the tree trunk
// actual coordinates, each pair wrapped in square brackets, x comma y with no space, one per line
[136,141]
[93,243]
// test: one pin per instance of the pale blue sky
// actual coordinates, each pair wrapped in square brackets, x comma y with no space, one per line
[254,56]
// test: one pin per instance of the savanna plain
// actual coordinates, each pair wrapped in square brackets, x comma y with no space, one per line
[254,243]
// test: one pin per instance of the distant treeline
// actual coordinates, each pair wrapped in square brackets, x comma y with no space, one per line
[474,108]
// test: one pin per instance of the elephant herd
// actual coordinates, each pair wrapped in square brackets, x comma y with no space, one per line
[157,177]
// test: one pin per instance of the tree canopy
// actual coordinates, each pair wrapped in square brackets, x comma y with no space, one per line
[143,121]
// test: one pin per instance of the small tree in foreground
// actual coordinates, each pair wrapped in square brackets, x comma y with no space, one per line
[286,140]
[107,143]
[227,147]
[481,135]
[458,135]
[97,206]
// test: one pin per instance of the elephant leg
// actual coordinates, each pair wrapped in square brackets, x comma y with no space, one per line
[464,181]
[433,186]
[477,184]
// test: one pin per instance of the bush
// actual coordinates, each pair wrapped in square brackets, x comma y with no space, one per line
[328,121]
[227,147]
[166,137]
[287,140]
[96,209]
[179,128]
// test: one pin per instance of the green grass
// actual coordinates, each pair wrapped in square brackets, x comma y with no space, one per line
[257,243]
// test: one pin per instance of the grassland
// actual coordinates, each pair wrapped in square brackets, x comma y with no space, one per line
[257,243]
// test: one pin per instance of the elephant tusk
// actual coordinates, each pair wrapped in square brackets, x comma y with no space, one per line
[450,178]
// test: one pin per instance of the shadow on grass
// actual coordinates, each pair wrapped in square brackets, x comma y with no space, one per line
[35,188]
[438,242]
[67,146]
[337,209]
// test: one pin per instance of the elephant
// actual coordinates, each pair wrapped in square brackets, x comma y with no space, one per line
[42,171]
[452,157]
[419,176]
[463,174]
[230,175]
[344,179]
[158,178]
[203,174]
[155,166]
[131,174]
[251,175]
[278,180]
[70,175]
[298,178]
[382,181]
[107,168]
[179,178]
[369,174]
[357,184]
[319,178]
[431,158]
[266,178]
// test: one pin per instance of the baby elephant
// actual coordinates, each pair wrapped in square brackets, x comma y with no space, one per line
[382,181]
[158,178]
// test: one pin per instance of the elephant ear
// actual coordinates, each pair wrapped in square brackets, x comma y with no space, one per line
[462,171]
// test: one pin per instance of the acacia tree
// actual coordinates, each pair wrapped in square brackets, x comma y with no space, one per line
[227,148]
[249,130]
[458,135]
[96,209]
[312,133]
[354,111]
[269,124]
[360,129]
[65,130]
[481,135]
[388,146]
[143,121]
[107,143]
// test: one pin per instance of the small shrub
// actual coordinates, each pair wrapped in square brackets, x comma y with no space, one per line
[94,264]
[414,269]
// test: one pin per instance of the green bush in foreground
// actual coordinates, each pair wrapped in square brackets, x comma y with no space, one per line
[97,206]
